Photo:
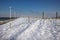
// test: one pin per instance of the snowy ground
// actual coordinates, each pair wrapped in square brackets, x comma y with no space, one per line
[31,29]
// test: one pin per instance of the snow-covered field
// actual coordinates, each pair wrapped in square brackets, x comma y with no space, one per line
[31,29]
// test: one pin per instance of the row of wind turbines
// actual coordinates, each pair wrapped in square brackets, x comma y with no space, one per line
[43,14]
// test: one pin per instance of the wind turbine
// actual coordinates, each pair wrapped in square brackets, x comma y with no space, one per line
[15,15]
[10,11]
[56,15]
[10,15]
[43,15]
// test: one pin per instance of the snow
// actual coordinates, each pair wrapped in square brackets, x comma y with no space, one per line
[24,28]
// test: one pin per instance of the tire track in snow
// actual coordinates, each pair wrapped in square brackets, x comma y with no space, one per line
[21,31]
[28,30]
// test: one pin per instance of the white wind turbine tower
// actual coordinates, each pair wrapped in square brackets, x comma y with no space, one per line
[15,15]
[10,11]
[10,15]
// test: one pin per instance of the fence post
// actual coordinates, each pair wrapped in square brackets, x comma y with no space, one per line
[28,20]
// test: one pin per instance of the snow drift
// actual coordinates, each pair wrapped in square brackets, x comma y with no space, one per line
[31,29]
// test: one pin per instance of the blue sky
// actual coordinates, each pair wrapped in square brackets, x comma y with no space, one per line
[30,7]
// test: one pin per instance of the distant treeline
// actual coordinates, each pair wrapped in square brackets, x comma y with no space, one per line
[6,18]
